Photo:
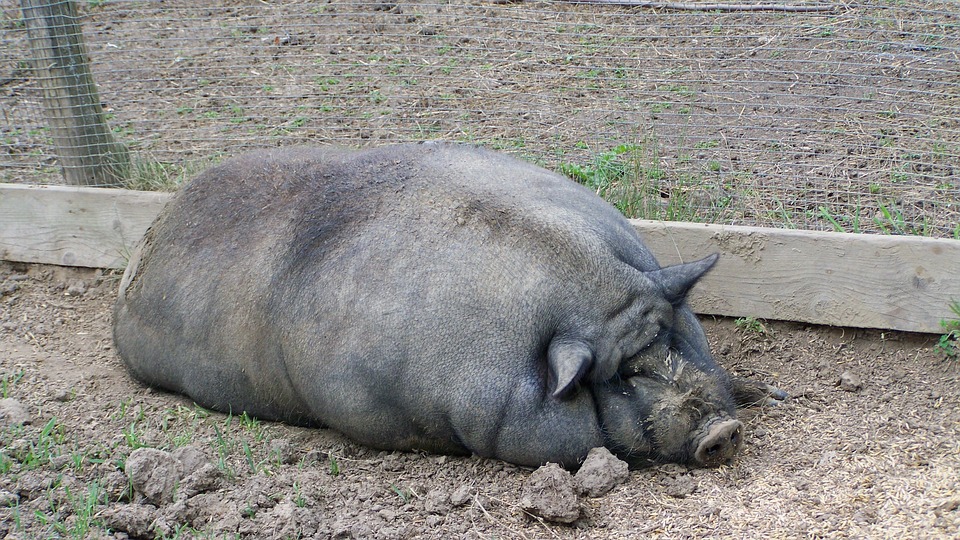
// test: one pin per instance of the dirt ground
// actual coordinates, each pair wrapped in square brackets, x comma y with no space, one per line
[876,457]
[840,120]
[769,119]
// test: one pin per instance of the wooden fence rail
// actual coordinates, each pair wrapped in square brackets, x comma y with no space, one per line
[868,281]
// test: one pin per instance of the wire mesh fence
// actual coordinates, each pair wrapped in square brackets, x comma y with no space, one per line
[810,115]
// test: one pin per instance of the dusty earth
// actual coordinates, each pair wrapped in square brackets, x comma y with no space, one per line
[839,120]
[877,456]
[764,119]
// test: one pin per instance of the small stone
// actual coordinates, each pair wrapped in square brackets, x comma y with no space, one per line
[77,288]
[13,413]
[948,505]
[9,326]
[549,492]
[850,381]
[63,395]
[462,495]
[601,472]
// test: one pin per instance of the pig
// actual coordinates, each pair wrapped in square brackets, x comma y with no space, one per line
[433,297]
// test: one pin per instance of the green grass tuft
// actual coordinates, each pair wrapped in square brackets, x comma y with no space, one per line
[631,178]
[949,342]
[751,324]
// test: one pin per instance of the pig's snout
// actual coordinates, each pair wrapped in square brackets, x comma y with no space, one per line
[720,444]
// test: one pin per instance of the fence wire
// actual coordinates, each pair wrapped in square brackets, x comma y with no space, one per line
[835,116]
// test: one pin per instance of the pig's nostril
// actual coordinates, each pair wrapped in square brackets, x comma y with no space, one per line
[735,438]
[720,444]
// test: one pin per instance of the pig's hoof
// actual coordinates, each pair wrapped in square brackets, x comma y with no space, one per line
[750,393]
[776,396]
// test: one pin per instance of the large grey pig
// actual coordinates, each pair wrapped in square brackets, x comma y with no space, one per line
[436,297]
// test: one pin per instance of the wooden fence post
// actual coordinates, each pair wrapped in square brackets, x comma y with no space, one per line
[89,154]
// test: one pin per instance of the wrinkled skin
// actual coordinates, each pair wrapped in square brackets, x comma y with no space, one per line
[433,297]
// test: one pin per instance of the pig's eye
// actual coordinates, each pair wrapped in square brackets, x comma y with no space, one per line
[647,362]
[643,341]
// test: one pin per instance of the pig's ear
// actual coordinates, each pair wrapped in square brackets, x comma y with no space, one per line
[569,361]
[676,281]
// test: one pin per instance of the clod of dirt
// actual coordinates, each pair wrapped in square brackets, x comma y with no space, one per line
[154,474]
[13,413]
[116,486]
[462,495]
[681,486]
[191,457]
[437,502]
[600,472]
[33,484]
[550,493]
[7,498]
[18,449]
[8,287]
[850,381]
[206,478]
[283,450]
[133,519]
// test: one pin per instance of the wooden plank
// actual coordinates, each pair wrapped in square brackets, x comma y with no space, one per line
[74,226]
[870,281]
[867,281]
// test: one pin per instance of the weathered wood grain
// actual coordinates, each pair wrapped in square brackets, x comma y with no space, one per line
[73,226]
[868,281]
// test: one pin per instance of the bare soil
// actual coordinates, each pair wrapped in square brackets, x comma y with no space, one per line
[769,119]
[876,457]
[846,119]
